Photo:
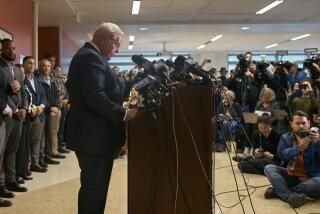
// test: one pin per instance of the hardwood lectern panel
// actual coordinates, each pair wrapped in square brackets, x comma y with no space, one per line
[152,159]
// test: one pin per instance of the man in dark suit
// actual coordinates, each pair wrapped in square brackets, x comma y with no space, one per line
[35,113]
[52,114]
[18,102]
[5,111]
[96,120]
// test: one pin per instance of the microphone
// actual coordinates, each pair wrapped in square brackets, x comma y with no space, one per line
[170,64]
[138,59]
[179,62]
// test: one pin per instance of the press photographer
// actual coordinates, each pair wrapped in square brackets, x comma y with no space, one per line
[299,151]
[280,78]
[313,65]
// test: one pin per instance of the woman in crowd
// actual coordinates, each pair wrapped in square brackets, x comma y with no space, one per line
[230,115]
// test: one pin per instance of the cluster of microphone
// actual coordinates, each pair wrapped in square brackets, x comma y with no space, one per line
[155,82]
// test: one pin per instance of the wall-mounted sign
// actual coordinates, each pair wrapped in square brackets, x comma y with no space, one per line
[282,53]
[311,50]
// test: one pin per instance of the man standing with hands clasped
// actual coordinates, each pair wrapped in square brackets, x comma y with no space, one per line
[96,121]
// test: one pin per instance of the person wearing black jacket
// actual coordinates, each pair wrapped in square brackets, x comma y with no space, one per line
[18,102]
[230,114]
[265,142]
[96,128]
[5,111]
[38,103]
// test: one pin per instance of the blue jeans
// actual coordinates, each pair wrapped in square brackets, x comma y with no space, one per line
[285,185]
[228,129]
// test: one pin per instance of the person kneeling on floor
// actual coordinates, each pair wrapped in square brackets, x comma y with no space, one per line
[265,142]
[299,150]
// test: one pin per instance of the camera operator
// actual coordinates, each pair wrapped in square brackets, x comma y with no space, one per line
[265,141]
[251,88]
[296,75]
[307,102]
[280,79]
[301,156]
[234,84]
[263,76]
[313,65]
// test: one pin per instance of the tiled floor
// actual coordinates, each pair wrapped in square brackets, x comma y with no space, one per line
[55,192]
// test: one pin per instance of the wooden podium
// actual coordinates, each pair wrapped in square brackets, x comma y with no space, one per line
[152,159]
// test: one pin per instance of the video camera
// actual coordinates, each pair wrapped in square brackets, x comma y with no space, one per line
[244,64]
[262,66]
[281,66]
[307,64]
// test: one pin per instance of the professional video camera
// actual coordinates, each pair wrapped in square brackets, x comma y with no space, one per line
[262,72]
[308,64]
[244,65]
[281,67]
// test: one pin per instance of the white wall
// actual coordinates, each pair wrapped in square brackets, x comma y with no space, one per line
[218,59]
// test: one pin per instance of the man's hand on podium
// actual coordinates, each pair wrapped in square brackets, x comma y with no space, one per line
[131,113]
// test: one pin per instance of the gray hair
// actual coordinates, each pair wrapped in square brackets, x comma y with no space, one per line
[107,30]
[230,94]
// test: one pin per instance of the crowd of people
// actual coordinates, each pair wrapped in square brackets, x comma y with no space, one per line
[283,141]
[34,106]
[280,144]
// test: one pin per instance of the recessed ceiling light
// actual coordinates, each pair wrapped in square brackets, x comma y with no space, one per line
[130,47]
[131,38]
[143,28]
[201,46]
[136,7]
[269,7]
[216,38]
[271,46]
[300,37]
[245,28]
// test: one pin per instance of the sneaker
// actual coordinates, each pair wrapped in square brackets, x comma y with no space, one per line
[296,200]
[270,193]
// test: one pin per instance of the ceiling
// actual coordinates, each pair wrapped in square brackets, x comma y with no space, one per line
[184,25]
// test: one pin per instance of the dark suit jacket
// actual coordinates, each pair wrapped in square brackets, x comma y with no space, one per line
[3,97]
[52,94]
[95,124]
[15,100]
[38,96]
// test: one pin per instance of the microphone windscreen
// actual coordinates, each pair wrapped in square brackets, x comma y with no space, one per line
[138,59]
[170,64]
